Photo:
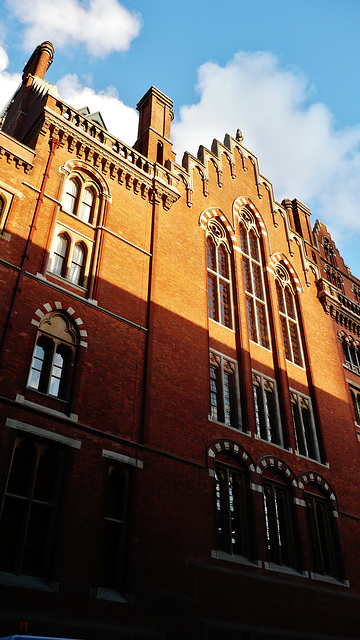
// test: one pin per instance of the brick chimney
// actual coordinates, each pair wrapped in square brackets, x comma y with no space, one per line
[40,61]
[155,116]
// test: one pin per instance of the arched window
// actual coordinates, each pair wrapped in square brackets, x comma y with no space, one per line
[280,529]
[329,251]
[351,354]
[29,510]
[71,194]
[80,198]
[68,259]
[323,533]
[113,568]
[77,264]
[54,356]
[159,153]
[218,275]
[59,258]
[86,205]
[288,317]
[233,520]
[355,396]
[252,263]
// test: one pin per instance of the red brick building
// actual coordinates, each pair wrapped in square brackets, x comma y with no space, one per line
[180,390]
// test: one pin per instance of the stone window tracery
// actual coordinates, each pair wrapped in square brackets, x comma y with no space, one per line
[288,316]
[223,390]
[219,275]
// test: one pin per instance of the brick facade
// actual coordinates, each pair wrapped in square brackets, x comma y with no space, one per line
[146,493]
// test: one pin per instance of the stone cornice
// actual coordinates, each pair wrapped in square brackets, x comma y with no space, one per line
[117,162]
[16,152]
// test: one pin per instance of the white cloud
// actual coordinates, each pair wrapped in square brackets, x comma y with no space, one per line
[9,82]
[121,121]
[298,147]
[101,26]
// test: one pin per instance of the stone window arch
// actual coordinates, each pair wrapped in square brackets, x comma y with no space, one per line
[253,279]
[234,527]
[54,357]
[219,276]
[289,321]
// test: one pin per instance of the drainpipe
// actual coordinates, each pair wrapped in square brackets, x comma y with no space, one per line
[54,144]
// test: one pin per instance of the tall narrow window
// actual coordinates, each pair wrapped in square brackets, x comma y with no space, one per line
[54,356]
[267,419]
[233,531]
[355,396]
[77,264]
[80,197]
[71,194]
[218,275]
[279,521]
[86,205]
[29,513]
[256,304]
[288,317]
[304,426]
[325,547]
[115,539]
[58,262]
[223,401]
[351,354]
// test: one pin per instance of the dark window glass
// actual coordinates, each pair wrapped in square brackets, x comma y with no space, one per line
[29,514]
[325,548]
[232,511]
[279,524]
[116,530]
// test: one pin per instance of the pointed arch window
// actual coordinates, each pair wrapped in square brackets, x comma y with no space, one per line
[86,205]
[77,264]
[351,354]
[54,356]
[81,198]
[218,275]
[254,285]
[58,263]
[69,259]
[71,195]
[288,316]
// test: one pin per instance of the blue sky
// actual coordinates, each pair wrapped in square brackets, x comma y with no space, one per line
[283,71]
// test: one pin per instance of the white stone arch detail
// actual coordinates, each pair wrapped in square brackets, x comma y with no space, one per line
[47,307]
